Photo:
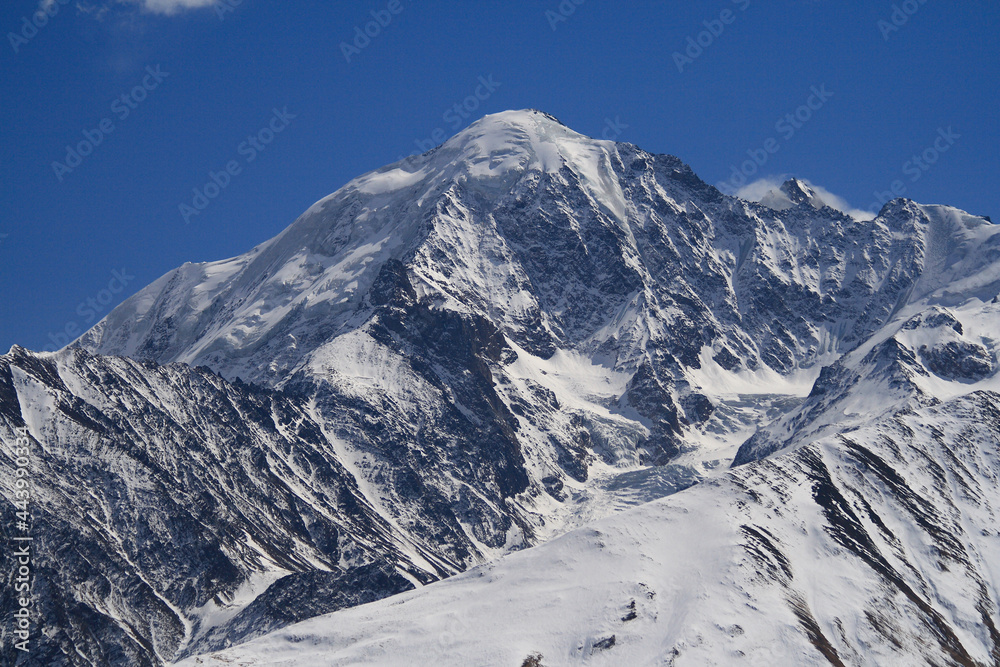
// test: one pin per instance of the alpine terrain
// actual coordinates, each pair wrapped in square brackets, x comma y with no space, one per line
[730,432]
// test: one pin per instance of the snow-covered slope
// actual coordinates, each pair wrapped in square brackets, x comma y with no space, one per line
[468,353]
[870,539]
[164,500]
[875,548]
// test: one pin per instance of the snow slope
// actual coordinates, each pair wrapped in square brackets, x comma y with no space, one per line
[875,548]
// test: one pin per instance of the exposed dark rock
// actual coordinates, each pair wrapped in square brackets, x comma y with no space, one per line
[301,596]
[958,360]
[604,644]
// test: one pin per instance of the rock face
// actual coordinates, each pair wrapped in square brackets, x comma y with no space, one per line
[457,356]
[301,596]
[161,491]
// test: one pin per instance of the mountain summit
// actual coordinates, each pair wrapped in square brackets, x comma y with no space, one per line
[255,316]
[792,192]
[474,350]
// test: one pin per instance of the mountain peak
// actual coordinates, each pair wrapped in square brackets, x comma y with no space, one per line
[799,192]
[518,118]
[495,151]
[513,125]
[793,192]
[524,139]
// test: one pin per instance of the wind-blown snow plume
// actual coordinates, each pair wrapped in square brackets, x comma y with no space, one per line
[768,192]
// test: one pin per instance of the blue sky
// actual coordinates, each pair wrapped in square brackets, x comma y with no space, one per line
[267,98]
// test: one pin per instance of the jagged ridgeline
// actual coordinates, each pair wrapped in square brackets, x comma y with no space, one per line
[477,349]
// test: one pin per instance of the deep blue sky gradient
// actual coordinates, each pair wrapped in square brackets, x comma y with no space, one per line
[118,210]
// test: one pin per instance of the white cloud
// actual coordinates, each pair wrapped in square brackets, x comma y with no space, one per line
[165,7]
[763,189]
[757,190]
[171,6]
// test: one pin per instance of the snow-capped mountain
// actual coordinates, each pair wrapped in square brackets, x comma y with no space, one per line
[470,352]
[877,547]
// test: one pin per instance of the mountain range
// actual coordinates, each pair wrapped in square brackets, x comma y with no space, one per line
[718,431]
